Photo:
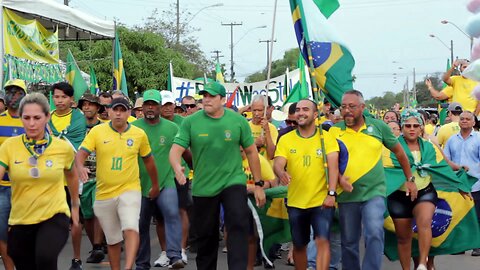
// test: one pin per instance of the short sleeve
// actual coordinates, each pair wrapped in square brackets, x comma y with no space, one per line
[331,144]
[88,143]
[282,148]
[4,154]
[448,91]
[145,149]
[388,138]
[69,157]
[183,136]
[266,169]
[246,138]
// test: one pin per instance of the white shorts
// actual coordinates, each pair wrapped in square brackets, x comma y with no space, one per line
[118,214]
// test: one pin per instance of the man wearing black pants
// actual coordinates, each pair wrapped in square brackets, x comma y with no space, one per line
[214,136]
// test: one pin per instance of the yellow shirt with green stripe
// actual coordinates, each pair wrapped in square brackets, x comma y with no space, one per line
[305,165]
[364,168]
[36,199]
[257,132]
[61,122]
[10,126]
[117,158]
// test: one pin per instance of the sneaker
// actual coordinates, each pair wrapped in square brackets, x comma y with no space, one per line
[177,264]
[476,252]
[162,261]
[184,256]
[76,264]
[421,267]
[96,256]
[224,250]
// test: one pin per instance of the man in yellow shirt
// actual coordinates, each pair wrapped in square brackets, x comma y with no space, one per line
[264,133]
[447,130]
[311,197]
[117,204]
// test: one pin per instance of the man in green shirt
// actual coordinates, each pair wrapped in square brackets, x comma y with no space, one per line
[160,135]
[214,136]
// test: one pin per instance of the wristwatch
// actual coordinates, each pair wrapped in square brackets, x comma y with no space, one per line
[411,179]
[260,183]
[332,193]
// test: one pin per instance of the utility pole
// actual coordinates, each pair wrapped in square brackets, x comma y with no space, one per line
[232,73]
[178,22]
[268,48]
[217,55]
[414,101]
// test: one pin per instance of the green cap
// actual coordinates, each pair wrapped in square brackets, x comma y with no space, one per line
[153,95]
[213,88]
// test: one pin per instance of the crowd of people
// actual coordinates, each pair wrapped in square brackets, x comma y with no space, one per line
[111,166]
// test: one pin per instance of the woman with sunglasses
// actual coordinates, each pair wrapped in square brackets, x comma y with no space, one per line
[37,165]
[429,168]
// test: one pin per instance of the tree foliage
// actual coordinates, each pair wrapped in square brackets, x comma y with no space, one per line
[146,58]
[279,67]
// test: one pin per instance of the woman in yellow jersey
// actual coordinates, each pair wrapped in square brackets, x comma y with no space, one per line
[402,208]
[37,164]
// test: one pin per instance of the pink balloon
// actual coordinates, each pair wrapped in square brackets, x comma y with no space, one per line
[476,92]
[475,51]
[474,6]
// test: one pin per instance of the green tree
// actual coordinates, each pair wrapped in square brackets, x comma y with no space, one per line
[145,56]
[289,61]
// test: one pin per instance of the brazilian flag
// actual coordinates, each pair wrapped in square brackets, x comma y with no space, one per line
[272,219]
[455,227]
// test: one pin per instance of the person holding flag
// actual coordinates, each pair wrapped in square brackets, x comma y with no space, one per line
[264,132]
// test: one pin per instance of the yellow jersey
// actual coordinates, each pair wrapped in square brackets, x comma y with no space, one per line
[266,170]
[117,158]
[10,126]
[461,92]
[36,199]
[61,122]
[257,132]
[446,131]
[305,164]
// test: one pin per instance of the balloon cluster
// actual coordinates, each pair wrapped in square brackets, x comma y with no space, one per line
[473,27]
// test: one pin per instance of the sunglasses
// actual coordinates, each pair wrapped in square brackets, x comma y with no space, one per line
[34,172]
[191,106]
[291,122]
[411,125]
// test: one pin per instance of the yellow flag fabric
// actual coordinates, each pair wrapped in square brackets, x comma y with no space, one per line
[28,39]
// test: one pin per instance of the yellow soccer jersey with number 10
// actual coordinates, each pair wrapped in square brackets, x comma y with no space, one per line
[36,199]
[308,184]
[117,158]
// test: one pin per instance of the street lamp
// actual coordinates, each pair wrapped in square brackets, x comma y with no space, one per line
[450,48]
[459,29]
[196,13]
[248,31]
[406,92]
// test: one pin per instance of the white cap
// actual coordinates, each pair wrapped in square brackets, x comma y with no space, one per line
[167,97]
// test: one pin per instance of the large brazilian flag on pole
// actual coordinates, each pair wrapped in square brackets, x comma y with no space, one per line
[455,227]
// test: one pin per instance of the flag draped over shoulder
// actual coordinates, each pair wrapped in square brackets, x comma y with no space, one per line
[272,219]
[119,78]
[455,227]
[94,89]
[74,77]
[332,61]
[300,89]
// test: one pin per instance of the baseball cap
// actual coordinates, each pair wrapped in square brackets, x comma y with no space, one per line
[16,82]
[213,88]
[152,95]
[88,97]
[167,97]
[121,101]
[455,107]
[138,103]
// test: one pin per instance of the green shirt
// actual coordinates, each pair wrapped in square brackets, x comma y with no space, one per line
[215,145]
[177,119]
[364,168]
[160,137]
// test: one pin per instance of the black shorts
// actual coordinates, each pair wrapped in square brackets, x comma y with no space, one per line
[400,206]
[183,192]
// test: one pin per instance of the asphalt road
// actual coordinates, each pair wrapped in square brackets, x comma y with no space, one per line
[446,262]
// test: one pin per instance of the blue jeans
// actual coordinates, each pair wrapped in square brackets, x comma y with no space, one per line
[369,216]
[335,251]
[5,206]
[167,203]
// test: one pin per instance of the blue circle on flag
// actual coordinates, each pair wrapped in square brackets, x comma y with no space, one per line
[442,218]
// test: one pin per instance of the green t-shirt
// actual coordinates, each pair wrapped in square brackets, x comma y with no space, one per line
[160,137]
[364,168]
[215,145]
[177,119]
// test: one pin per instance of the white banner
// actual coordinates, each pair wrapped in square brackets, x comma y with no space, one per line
[184,87]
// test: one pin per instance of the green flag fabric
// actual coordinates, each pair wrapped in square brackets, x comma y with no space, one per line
[170,77]
[300,89]
[94,89]
[272,219]
[119,78]
[74,77]
[327,7]
[455,227]
[443,111]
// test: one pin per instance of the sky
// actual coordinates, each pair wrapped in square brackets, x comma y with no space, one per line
[385,37]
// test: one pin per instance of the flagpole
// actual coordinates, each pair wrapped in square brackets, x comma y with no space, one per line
[270,59]
[113,53]
[313,81]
